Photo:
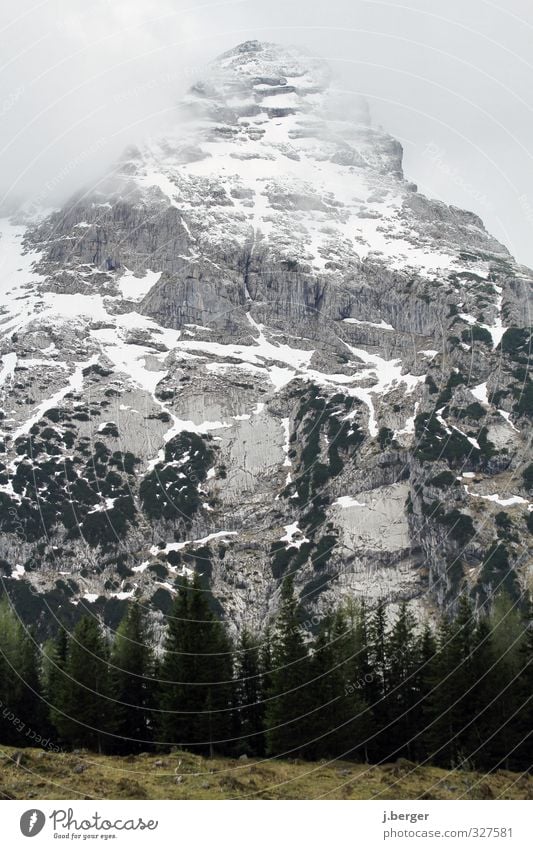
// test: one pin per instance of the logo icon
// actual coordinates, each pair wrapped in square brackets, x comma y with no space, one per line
[32,822]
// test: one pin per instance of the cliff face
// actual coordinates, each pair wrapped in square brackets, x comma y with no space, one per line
[255,350]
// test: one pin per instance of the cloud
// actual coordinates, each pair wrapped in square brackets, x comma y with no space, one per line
[80,81]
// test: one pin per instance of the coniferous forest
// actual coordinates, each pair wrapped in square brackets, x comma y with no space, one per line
[362,687]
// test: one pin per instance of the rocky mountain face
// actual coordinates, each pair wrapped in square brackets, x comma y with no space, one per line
[256,350]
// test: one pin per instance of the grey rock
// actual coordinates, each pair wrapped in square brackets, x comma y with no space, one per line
[282,255]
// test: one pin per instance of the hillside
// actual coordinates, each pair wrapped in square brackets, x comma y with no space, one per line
[181,775]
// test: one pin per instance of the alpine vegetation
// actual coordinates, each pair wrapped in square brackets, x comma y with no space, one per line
[360,689]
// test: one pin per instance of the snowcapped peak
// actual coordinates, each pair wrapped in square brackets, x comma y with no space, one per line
[268,151]
[274,64]
[258,77]
[277,81]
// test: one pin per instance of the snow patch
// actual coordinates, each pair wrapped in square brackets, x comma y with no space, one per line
[9,361]
[348,501]
[507,416]
[480,393]
[292,531]
[503,502]
[75,384]
[136,288]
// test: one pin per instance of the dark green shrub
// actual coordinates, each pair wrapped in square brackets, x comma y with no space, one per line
[461,526]
[443,480]
[385,438]
[476,333]
[527,476]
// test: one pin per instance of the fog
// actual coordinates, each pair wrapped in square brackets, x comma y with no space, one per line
[452,80]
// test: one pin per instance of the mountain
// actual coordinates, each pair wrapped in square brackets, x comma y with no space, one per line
[254,349]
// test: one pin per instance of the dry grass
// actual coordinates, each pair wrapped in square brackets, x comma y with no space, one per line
[181,775]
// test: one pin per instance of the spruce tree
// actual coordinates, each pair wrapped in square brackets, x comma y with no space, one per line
[328,704]
[265,662]
[175,670]
[481,729]
[249,703]
[132,684]
[213,652]
[425,677]
[377,638]
[402,694]
[287,725]
[447,734]
[83,713]
[376,689]
[361,685]
[197,671]
[362,669]
[22,716]
[508,633]
[340,720]
[53,673]
[521,757]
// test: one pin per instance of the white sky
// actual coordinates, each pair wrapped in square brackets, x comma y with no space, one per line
[452,79]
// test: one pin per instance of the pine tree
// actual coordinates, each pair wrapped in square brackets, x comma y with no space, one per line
[287,725]
[132,684]
[82,715]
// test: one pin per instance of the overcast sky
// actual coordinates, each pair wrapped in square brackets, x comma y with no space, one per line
[452,79]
